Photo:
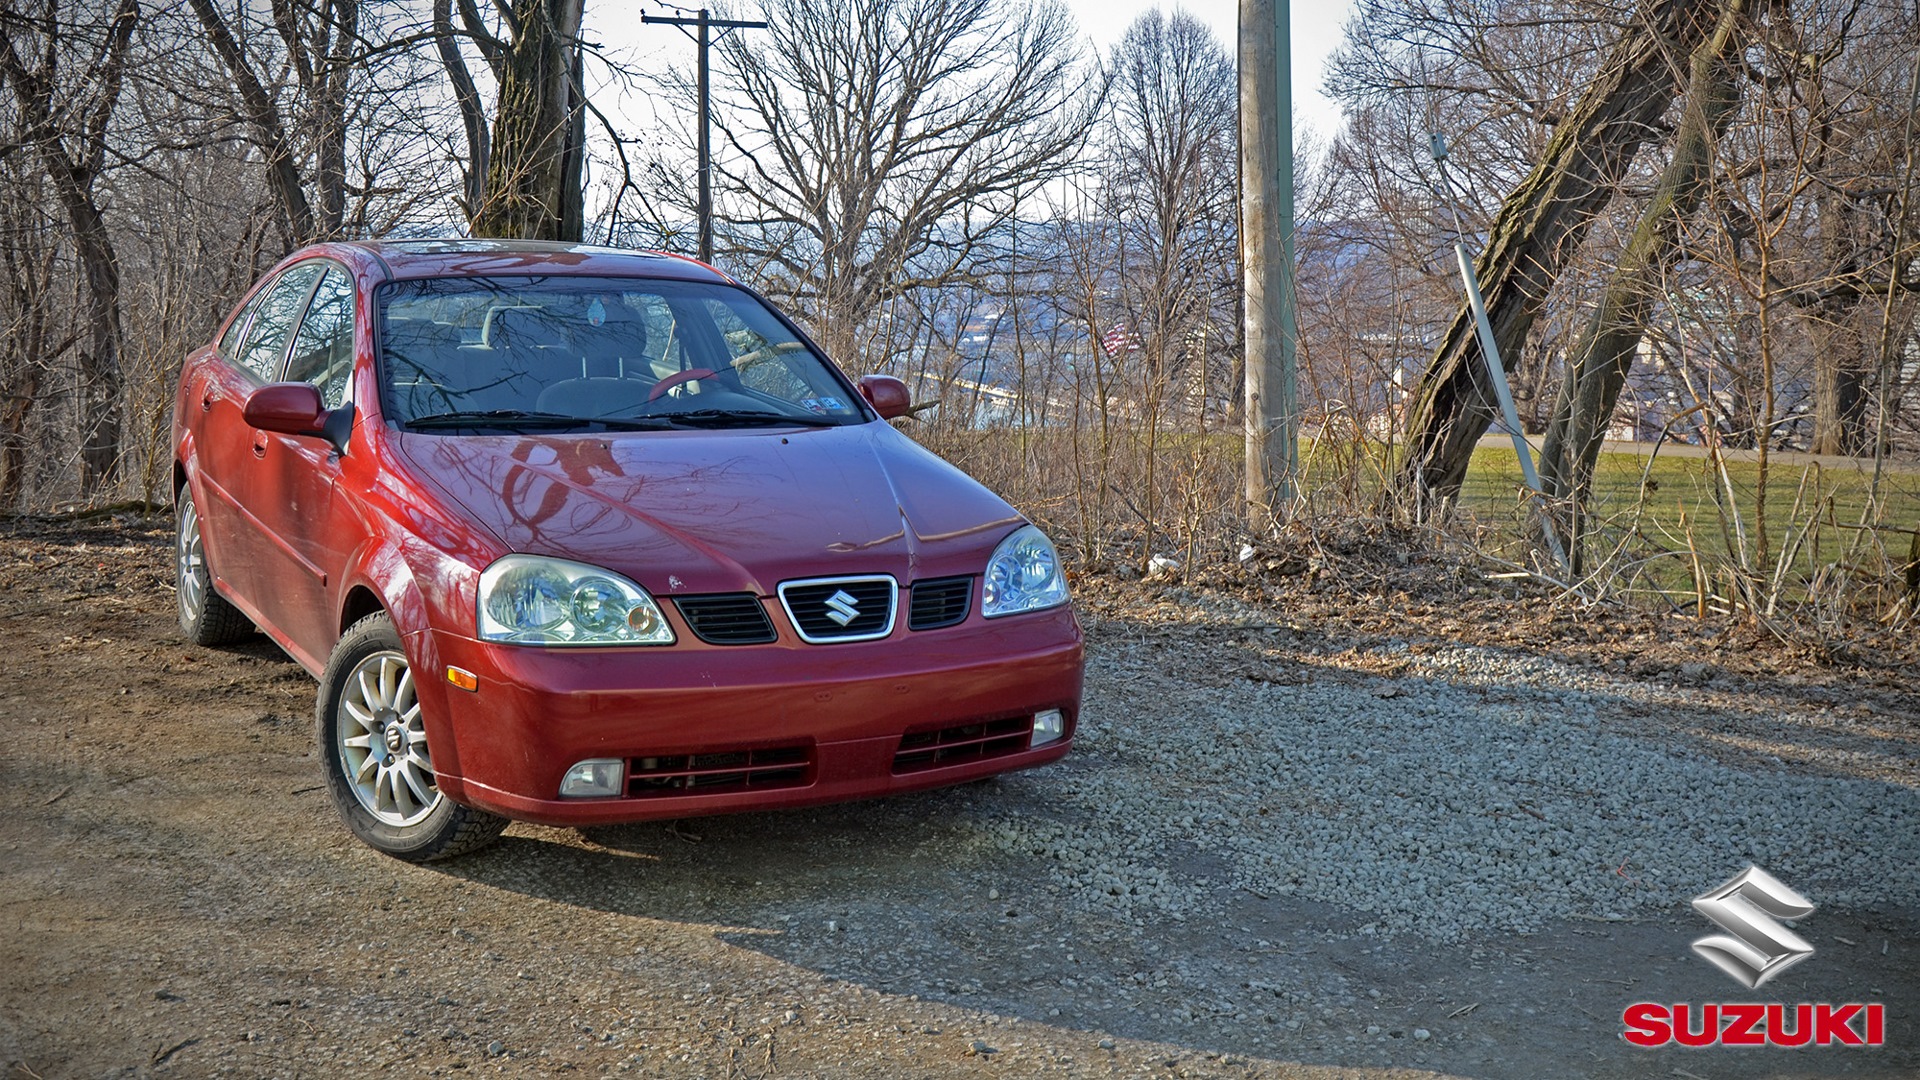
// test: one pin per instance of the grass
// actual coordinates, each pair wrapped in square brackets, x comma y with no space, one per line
[1667,528]
[1657,511]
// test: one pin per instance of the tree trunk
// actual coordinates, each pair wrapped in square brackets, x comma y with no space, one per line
[28,251]
[472,118]
[73,171]
[1598,363]
[14,411]
[1840,325]
[526,184]
[331,81]
[1843,367]
[263,117]
[573,161]
[100,375]
[1537,230]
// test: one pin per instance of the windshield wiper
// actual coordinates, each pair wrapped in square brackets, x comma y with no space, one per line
[525,418]
[744,418]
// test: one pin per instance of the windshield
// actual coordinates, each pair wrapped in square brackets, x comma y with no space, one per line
[617,353]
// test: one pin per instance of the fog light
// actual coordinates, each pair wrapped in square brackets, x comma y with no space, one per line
[595,777]
[1048,725]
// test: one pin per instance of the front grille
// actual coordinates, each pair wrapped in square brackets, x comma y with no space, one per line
[729,619]
[959,745]
[759,769]
[828,610]
[940,602]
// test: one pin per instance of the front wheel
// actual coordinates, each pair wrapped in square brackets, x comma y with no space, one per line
[373,745]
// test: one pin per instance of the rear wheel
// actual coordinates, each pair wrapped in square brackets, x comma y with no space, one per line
[373,743]
[205,616]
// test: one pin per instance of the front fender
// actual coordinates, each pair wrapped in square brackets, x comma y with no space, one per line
[423,585]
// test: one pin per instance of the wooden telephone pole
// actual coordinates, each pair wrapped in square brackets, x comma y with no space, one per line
[1266,259]
[701,40]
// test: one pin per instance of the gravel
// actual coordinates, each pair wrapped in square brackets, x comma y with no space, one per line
[1478,790]
[1225,879]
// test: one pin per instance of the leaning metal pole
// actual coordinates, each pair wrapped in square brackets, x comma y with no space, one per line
[1496,370]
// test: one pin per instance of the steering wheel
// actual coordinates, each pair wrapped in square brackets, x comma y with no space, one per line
[676,379]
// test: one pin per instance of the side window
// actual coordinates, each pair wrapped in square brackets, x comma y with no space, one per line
[323,346]
[273,322]
[230,341]
[771,360]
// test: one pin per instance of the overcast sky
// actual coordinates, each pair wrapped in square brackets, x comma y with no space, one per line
[1316,32]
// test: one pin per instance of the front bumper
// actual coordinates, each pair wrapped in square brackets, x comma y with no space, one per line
[714,729]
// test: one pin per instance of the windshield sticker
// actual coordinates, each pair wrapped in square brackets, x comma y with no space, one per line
[596,313]
[823,404]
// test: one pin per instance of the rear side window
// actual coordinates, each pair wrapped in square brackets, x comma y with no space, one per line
[230,341]
[273,321]
[323,347]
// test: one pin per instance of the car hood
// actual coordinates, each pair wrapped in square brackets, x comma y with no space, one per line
[690,512]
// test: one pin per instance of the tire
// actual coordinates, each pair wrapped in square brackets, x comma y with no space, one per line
[373,746]
[205,616]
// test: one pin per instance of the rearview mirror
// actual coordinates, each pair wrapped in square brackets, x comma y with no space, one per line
[887,395]
[295,408]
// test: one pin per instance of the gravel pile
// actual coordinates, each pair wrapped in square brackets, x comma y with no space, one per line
[1477,790]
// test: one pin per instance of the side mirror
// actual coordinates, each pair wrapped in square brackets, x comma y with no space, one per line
[295,408]
[887,395]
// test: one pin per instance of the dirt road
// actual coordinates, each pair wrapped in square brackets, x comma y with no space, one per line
[178,900]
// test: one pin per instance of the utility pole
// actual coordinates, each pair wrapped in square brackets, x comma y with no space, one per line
[1266,259]
[701,41]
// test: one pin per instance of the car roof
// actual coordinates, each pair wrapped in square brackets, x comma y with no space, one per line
[453,257]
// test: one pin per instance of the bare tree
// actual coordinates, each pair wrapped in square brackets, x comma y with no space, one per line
[473,115]
[1837,80]
[1498,80]
[875,144]
[532,173]
[1169,188]
[1539,227]
[66,84]
[30,245]
[1598,365]
[1169,185]
[332,100]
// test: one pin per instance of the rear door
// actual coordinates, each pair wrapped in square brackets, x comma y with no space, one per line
[239,547]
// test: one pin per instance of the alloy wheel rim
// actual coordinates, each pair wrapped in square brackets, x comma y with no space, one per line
[383,744]
[191,563]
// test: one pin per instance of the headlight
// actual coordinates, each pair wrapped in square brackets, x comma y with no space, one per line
[1023,575]
[529,600]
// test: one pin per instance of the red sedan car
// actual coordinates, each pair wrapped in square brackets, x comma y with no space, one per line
[576,536]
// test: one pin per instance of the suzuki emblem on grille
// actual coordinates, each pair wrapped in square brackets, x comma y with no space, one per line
[843,607]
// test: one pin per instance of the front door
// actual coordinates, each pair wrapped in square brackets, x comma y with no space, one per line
[290,483]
